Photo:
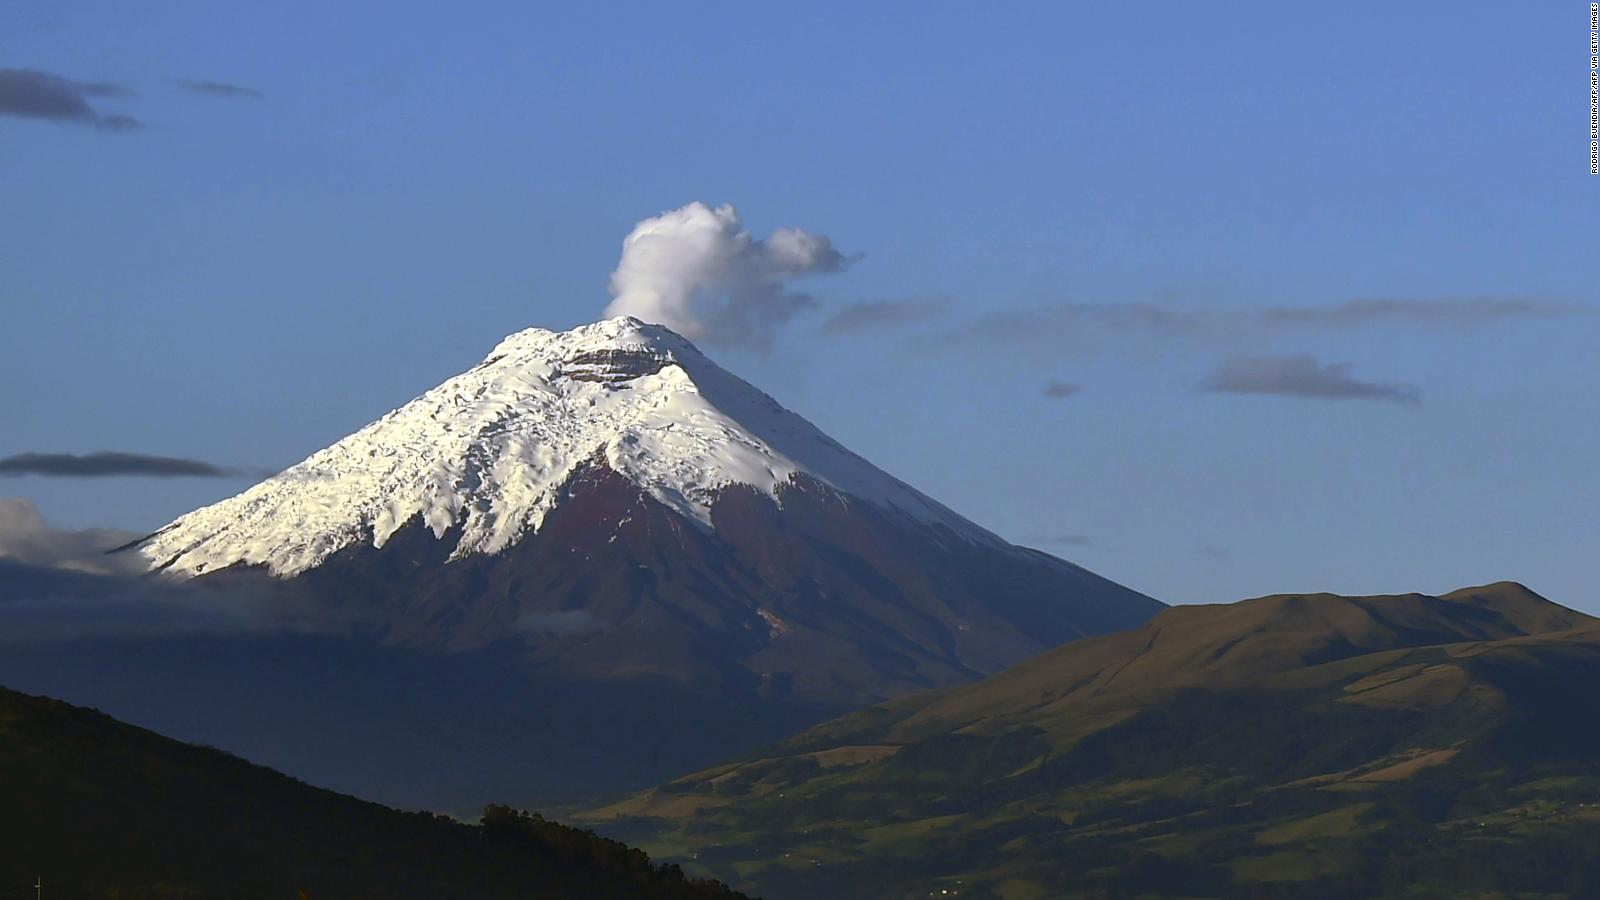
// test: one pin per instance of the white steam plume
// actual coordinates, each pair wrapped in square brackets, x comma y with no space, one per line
[697,271]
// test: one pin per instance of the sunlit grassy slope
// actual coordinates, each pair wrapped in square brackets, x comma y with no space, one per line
[1304,746]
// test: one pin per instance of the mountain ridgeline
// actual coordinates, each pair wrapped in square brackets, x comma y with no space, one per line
[1288,746]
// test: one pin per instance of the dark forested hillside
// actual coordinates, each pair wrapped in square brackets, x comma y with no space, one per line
[97,808]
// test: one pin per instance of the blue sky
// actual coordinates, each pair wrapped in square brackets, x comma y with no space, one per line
[1128,198]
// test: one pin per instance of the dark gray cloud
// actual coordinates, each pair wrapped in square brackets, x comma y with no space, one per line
[1301,375]
[219,89]
[871,315]
[32,94]
[1060,390]
[100,465]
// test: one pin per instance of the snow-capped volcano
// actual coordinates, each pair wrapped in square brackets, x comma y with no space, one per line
[612,561]
[484,457]
[616,506]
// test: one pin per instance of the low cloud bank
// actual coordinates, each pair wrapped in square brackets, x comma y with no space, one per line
[60,585]
[25,537]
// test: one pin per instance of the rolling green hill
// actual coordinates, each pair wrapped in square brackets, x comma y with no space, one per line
[100,809]
[1304,746]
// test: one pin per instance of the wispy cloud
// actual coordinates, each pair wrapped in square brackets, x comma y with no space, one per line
[101,465]
[1457,313]
[32,94]
[1301,375]
[219,89]
[560,623]
[1069,540]
[1060,390]
[1053,328]
[874,315]
[116,122]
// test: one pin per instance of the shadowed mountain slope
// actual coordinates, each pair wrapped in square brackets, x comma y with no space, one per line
[819,600]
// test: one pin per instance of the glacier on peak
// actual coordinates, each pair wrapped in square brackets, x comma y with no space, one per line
[489,451]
